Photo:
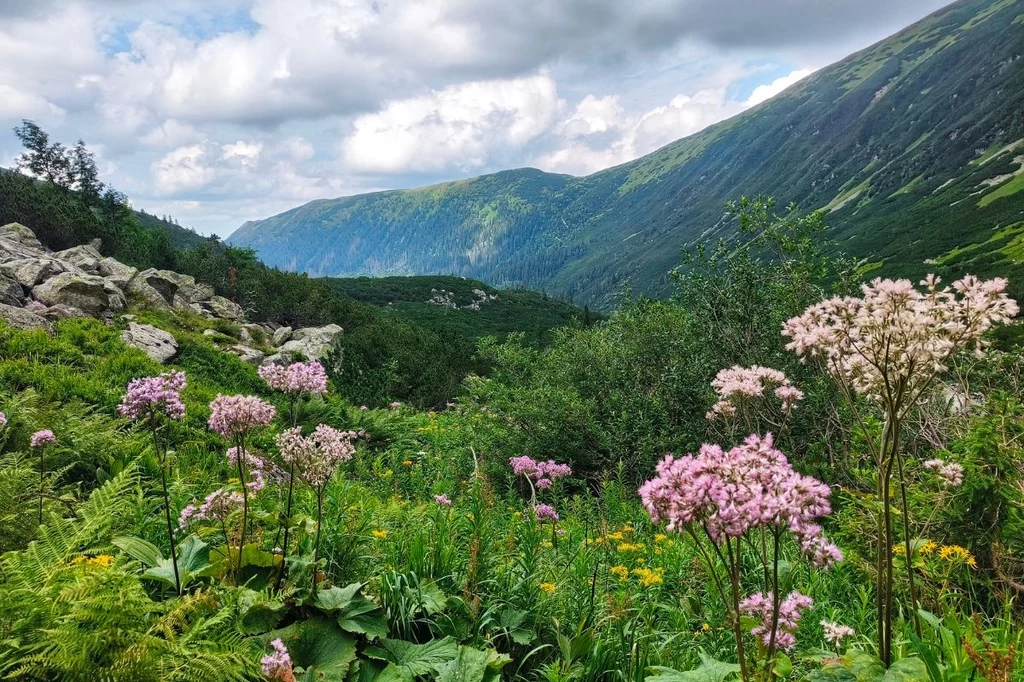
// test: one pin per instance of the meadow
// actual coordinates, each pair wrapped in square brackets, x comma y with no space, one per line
[778,473]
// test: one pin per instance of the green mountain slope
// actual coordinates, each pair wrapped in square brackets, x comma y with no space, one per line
[915,146]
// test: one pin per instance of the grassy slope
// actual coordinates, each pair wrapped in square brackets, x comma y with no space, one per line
[888,139]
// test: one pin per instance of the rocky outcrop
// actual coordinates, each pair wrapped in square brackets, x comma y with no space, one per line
[312,342]
[88,293]
[156,343]
[246,353]
[16,233]
[117,272]
[282,335]
[11,291]
[223,308]
[84,257]
[19,318]
[29,272]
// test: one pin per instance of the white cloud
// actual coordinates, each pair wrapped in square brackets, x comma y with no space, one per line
[182,169]
[460,126]
[769,90]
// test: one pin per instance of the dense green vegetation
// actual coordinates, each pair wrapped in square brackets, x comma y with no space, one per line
[914,145]
[413,352]
[383,581]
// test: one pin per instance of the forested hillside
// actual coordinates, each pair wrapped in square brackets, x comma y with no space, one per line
[913,145]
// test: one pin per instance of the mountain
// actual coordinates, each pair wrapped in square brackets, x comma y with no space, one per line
[915,147]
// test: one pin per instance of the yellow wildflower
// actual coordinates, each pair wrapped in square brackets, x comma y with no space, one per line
[957,553]
[102,560]
[899,549]
[660,537]
[407,463]
[620,571]
[630,547]
[927,547]
[546,544]
[547,587]
[647,577]
[379,534]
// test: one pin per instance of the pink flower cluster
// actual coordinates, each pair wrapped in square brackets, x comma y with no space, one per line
[43,437]
[316,456]
[736,384]
[543,474]
[3,420]
[259,469]
[236,415]
[790,609]
[278,665]
[296,378]
[732,492]
[217,506]
[897,334]
[950,473]
[544,512]
[443,500]
[835,633]
[149,395]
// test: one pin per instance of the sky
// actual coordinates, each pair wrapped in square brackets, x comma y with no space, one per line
[220,111]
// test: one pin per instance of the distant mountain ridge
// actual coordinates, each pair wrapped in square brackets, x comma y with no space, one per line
[915,145]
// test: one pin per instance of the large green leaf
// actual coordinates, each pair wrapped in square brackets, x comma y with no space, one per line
[473,665]
[709,670]
[354,612]
[257,612]
[413,659]
[193,559]
[429,596]
[909,669]
[141,550]
[319,648]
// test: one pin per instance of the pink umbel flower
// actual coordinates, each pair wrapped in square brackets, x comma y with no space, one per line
[835,633]
[278,665]
[443,500]
[950,474]
[736,386]
[895,334]
[791,608]
[297,378]
[217,506]
[233,416]
[395,405]
[732,492]
[316,457]
[42,438]
[3,420]
[544,512]
[541,473]
[149,396]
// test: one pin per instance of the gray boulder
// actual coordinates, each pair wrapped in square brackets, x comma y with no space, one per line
[62,312]
[84,257]
[11,292]
[246,354]
[156,343]
[19,234]
[117,272]
[223,308]
[281,335]
[280,359]
[20,318]
[89,293]
[164,282]
[313,342]
[29,272]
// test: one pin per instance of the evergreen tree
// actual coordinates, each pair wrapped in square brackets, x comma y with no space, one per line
[86,174]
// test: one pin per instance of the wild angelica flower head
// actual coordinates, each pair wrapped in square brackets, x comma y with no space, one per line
[3,420]
[835,633]
[736,384]
[149,395]
[897,334]
[297,378]
[318,455]
[761,605]
[217,506]
[543,474]
[950,474]
[43,437]
[278,665]
[732,492]
[236,415]
[260,470]
[545,512]
[443,500]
